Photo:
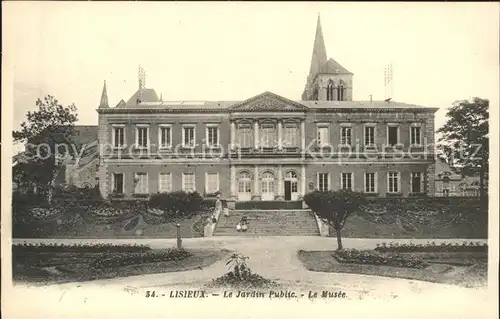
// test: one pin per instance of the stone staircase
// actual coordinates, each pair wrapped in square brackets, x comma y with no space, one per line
[296,222]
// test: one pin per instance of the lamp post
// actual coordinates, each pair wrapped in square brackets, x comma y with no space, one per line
[179,240]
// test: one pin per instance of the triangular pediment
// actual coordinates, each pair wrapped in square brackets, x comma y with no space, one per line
[268,102]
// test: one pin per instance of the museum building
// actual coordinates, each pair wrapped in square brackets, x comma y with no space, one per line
[268,147]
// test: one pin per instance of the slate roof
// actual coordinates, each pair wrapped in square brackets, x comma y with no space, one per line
[333,67]
[142,96]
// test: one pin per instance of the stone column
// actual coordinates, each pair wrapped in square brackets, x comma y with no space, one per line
[280,134]
[303,183]
[256,134]
[255,191]
[431,179]
[303,179]
[231,202]
[280,184]
[233,135]
[302,136]
[233,181]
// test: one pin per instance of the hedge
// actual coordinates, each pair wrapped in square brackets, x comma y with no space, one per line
[432,247]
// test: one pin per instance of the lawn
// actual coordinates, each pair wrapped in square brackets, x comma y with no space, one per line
[56,266]
[458,268]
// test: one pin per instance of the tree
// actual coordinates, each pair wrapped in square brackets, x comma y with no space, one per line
[177,206]
[464,139]
[335,207]
[47,137]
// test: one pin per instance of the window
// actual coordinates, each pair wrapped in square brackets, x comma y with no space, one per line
[415,135]
[212,135]
[291,135]
[118,136]
[416,182]
[142,137]
[268,134]
[188,184]
[369,135]
[370,183]
[345,136]
[340,91]
[118,183]
[393,182]
[212,183]
[141,183]
[165,136]
[245,135]
[329,91]
[188,136]
[267,184]
[392,135]
[165,183]
[346,181]
[323,182]
[323,136]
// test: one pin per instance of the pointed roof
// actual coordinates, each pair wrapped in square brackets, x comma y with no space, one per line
[104,97]
[334,67]
[319,57]
[141,96]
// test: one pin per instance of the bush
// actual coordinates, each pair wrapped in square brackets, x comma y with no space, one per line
[367,257]
[134,258]
[432,247]
[94,248]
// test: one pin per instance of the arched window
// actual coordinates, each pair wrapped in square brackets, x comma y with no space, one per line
[268,134]
[329,91]
[244,134]
[340,91]
[291,175]
[267,184]
[315,93]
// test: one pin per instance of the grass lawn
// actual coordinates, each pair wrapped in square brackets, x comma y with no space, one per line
[463,269]
[60,267]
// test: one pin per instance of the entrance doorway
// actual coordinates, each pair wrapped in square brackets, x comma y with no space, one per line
[244,190]
[291,186]
[267,186]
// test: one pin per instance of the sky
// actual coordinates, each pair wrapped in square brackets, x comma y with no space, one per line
[440,52]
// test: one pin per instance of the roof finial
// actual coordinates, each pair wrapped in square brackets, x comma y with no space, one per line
[104,97]
[161,97]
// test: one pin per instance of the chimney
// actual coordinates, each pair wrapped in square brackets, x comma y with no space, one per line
[371,98]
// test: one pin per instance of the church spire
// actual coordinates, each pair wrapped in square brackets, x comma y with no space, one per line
[104,97]
[319,57]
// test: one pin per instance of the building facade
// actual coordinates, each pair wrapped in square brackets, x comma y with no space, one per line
[268,147]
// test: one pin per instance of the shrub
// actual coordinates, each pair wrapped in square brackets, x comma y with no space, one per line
[367,257]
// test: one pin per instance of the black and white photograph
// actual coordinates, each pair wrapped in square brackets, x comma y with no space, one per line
[250,159]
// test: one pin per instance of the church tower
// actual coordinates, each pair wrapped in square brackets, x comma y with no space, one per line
[327,79]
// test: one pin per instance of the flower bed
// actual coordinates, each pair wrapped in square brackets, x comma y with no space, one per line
[96,248]
[432,247]
[367,257]
[132,258]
